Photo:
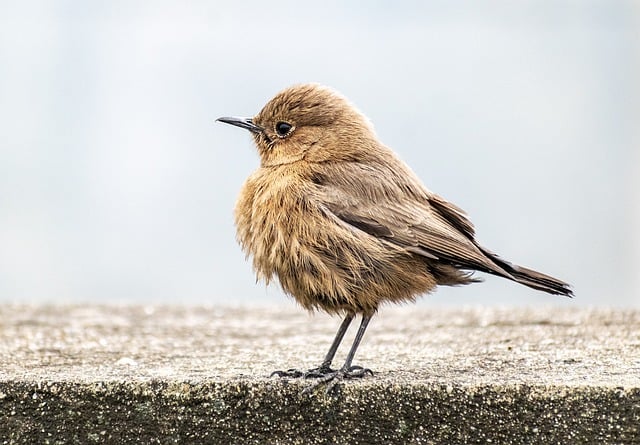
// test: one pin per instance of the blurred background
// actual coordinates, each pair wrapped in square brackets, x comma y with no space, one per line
[116,185]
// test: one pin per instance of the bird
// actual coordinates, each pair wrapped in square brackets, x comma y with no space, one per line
[345,225]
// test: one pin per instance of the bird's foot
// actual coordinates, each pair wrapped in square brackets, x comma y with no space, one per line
[333,378]
[315,373]
[318,373]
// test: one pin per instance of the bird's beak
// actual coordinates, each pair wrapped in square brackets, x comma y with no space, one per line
[242,122]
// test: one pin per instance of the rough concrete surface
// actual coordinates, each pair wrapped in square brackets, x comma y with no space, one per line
[158,374]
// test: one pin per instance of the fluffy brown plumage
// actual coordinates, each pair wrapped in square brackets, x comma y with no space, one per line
[342,222]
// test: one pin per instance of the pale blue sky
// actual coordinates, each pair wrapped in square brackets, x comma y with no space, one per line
[115,185]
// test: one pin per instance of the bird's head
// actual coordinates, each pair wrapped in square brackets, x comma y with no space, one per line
[309,122]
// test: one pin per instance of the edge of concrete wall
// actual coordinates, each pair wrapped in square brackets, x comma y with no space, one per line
[275,411]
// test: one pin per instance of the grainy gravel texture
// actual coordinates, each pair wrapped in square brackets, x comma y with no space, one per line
[158,374]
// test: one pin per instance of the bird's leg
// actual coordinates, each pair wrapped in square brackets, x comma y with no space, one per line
[325,367]
[356,371]
[347,371]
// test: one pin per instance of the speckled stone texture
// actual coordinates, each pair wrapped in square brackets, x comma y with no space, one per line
[157,374]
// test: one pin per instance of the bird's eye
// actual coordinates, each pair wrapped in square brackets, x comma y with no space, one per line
[283,128]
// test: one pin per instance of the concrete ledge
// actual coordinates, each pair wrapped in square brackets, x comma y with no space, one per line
[88,374]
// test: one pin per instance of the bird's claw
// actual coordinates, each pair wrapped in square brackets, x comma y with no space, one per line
[325,375]
[333,378]
[315,373]
[355,372]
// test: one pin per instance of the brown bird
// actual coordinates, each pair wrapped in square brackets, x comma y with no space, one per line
[344,224]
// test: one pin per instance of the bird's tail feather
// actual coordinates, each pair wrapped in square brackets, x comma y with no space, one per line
[541,281]
[531,278]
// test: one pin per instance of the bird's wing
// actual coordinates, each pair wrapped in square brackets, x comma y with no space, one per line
[408,216]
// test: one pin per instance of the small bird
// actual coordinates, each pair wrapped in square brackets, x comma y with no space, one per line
[345,225]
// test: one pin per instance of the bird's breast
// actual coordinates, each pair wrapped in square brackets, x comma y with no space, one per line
[274,219]
[283,225]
